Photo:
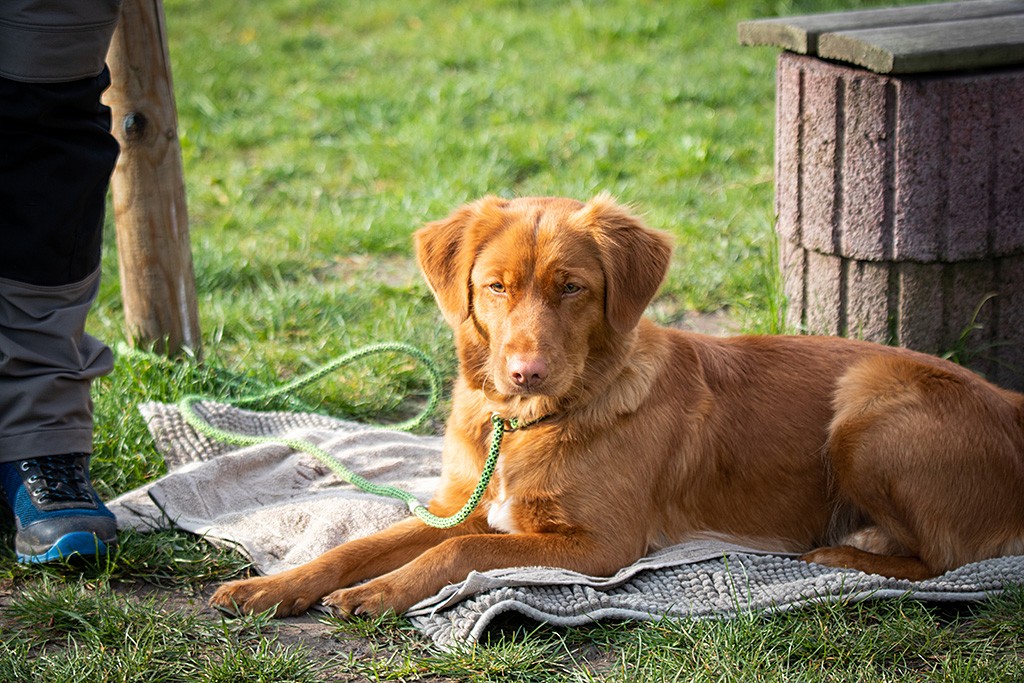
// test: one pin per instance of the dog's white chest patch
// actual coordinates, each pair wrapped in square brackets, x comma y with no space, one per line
[499,514]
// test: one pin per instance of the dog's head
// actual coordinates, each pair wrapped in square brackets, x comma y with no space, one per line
[537,289]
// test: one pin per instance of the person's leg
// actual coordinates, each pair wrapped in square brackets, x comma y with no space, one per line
[56,157]
[55,164]
[46,364]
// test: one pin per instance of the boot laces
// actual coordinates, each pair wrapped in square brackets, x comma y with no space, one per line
[56,479]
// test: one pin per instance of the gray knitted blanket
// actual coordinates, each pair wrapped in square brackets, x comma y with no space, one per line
[284,508]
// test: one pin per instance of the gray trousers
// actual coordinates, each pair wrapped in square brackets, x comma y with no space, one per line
[50,225]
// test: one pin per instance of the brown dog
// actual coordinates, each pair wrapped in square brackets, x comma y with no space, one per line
[856,454]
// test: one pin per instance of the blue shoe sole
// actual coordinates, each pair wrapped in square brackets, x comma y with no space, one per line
[80,543]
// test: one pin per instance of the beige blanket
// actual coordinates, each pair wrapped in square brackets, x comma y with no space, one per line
[284,508]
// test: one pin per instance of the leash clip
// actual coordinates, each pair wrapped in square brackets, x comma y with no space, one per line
[509,425]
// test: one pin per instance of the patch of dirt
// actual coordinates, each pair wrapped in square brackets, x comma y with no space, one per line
[330,649]
[305,631]
[718,323]
[396,270]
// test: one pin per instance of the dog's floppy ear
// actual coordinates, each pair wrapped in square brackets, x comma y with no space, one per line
[446,250]
[634,257]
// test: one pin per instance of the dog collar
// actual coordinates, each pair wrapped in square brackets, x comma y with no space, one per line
[514,423]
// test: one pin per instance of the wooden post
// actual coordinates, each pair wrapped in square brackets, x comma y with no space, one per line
[157,280]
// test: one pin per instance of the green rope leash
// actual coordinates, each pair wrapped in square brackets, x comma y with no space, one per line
[499,427]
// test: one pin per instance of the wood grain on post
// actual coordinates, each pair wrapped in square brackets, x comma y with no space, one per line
[155,259]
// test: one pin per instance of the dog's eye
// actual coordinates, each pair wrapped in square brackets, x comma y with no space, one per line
[571,288]
[497,288]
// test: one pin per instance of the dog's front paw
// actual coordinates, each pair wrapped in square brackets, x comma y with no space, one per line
[254,596]
[370,599]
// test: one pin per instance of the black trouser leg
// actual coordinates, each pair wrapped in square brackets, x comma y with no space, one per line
[56,157]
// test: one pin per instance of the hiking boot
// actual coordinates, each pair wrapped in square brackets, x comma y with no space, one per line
[56,510]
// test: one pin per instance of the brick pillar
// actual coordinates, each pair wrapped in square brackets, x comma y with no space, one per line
[900,204]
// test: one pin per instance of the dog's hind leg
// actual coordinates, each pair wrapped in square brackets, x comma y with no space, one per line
[872,551]
[932,457]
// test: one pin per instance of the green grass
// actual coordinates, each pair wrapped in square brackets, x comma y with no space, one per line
[83,631]
[316,136]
